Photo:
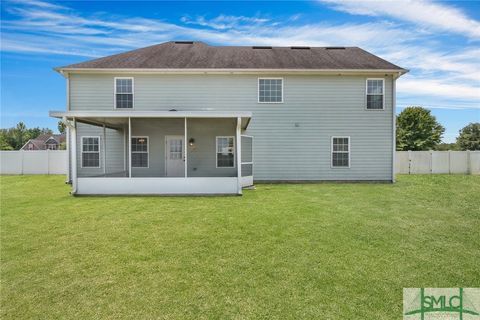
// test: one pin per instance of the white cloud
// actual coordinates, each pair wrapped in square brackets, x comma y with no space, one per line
[223,22]
[424,13]
[436,88]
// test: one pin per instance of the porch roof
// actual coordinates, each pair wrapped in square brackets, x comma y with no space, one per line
[117,118]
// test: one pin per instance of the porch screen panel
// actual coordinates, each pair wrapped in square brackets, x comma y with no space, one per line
[225,152]
[247,156]
[247,170]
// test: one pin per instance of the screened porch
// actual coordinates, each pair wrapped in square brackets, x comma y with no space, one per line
[132,152]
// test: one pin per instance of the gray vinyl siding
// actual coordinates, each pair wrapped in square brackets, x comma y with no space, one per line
[291,139]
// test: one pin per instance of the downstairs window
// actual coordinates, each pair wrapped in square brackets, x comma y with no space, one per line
[139,152]
[340,152]
[90,152]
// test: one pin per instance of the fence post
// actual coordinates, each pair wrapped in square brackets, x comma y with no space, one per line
[48,161]
[469,164]
[449,162]
[21,170]
[409,162]
[431,161]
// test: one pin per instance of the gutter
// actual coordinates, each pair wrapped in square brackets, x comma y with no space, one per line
[66,71]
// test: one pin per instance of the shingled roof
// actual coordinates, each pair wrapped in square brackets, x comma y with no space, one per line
[198,55]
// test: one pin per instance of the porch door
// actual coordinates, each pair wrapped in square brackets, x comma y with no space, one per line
[174,154]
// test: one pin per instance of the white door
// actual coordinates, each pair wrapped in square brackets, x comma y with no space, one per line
[174,154]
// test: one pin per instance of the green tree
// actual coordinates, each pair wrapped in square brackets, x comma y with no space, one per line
[447,147]
[20,135]
[61,126]
[4,145]
[469,138]
[417,129]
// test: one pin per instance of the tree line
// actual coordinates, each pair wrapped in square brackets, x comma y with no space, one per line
[418,130]
[16,137]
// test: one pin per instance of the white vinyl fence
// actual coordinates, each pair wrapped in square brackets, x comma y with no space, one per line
[407,162]
[33,162]
[434,162]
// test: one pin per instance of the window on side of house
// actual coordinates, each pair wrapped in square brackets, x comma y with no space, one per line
[139,152]
[51,146]
[124,93]
[340,152]
[270,90]
[90,152]
[375,94]
[225,152]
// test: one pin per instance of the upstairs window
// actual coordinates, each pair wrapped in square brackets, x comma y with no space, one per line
[340,152]
[375,89]
[270,90]
[90,152]
[225,152]
[140,152]
[124,93]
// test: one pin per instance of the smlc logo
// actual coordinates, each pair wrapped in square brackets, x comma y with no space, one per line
[441,303]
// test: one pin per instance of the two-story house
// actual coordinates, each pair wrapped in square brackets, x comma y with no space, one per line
[185,117]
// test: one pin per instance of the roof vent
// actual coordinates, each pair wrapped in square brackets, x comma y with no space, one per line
[335,48]
[261,47]
[183,42]
[172,110]
[300,48]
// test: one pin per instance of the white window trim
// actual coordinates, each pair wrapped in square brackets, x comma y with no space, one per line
[115,92]
[99,150]
[258,90]
[331,152]
[148,151]
[216,152]
[383,94]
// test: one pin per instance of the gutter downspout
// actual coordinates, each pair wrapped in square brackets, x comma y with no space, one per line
[74,157]
[394,124]
[239,154]
[67,140]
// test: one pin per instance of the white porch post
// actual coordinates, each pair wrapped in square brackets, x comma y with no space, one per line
[69,154]
[74,156]
[239,154]
[185,148]
[124,148]
[129,147]
[394,125]
[104,150]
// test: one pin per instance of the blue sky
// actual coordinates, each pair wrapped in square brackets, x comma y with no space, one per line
[438,41]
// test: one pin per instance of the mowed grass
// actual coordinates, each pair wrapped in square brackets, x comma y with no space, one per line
[313,251]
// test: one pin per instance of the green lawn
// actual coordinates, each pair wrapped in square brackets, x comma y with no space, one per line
[328,251]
